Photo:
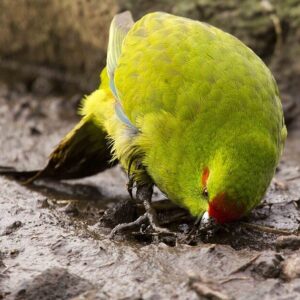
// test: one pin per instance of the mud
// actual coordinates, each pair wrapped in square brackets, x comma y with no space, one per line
[54,235]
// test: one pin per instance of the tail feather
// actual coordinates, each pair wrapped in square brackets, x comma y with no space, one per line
[83,152]
[18,175]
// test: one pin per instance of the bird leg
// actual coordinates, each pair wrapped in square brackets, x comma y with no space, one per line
[130,186]
[143,194]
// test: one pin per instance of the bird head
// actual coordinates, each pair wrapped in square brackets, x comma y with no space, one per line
[237,179]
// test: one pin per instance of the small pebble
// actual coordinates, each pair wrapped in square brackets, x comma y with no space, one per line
[11,228]
[291,267]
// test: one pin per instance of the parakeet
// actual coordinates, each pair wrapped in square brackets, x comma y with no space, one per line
[184,106]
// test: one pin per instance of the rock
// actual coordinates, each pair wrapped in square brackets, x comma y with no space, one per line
[206,290]
[52,46]
[89,295]
[71,209]
[291,242]
[43,203]
[291,267]
[55,283]
[11,228]
[268,265]
[2,265]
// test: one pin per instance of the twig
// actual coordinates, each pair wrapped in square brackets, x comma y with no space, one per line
[280,184]
[269,9]
[246,265]
[9,267]
[108,264]
[293,178]
[267,229]
[234,278]
[203,290]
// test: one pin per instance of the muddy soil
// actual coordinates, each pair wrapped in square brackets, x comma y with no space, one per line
[53,244]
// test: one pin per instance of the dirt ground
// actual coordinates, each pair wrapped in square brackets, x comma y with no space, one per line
[53,245]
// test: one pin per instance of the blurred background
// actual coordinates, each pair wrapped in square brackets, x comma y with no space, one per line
[60,46]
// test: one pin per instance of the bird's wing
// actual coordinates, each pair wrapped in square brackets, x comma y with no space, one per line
[119,28]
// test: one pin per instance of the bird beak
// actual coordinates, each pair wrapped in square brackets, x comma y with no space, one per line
[205,218]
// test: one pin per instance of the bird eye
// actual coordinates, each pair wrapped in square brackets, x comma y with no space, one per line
[205,192]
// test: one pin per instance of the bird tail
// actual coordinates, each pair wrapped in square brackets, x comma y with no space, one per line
[18,175]
[84,151]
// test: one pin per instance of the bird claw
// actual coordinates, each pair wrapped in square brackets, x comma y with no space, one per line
[157,230]
[152,218]
[123,226]
[144,194]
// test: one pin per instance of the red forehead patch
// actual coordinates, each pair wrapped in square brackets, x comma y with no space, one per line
[205,176]
[224,210]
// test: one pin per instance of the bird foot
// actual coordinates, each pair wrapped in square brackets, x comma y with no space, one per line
[155,226]
[144,194]
[152,218]
[139,221]
[146,217]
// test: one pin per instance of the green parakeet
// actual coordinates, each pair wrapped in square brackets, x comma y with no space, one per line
[186,107]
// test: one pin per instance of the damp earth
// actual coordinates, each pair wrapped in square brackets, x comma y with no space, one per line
[54,235]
